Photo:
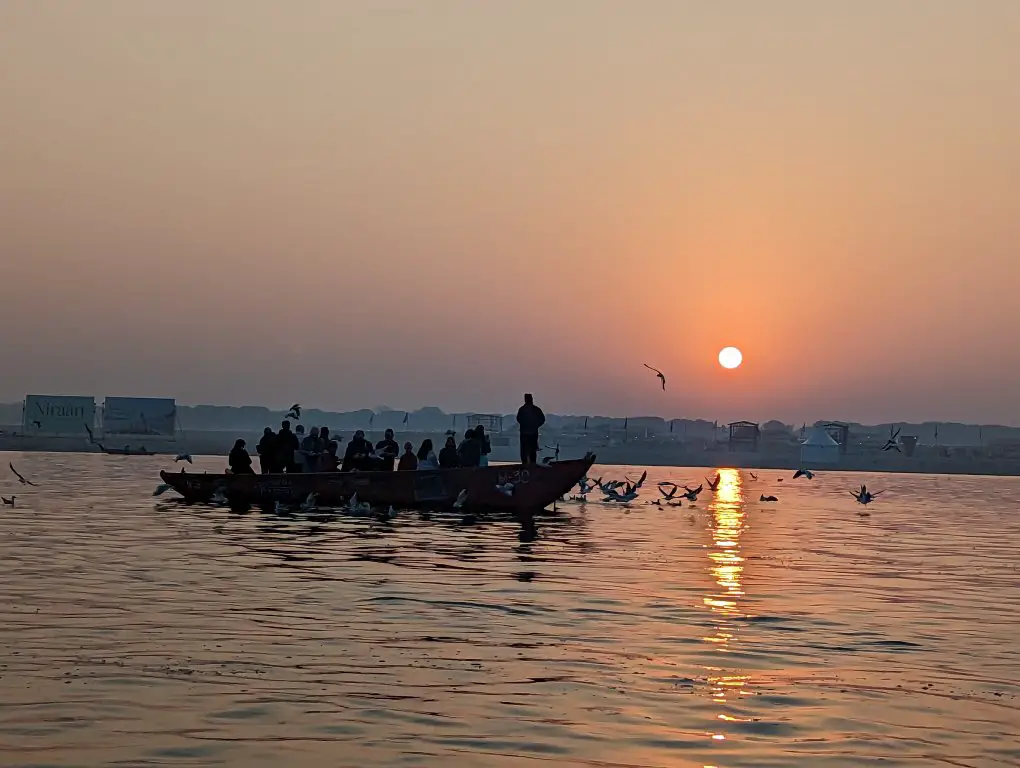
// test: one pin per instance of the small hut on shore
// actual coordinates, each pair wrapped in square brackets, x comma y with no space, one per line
[818,448]
[744,436]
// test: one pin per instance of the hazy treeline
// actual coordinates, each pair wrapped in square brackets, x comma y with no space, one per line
[250,418]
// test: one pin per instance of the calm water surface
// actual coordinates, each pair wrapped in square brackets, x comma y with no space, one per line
[137,631]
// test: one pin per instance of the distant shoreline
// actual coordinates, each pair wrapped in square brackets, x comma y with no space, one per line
[634,453]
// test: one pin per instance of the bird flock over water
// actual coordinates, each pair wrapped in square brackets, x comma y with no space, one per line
[672,494]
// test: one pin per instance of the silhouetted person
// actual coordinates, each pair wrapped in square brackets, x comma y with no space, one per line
[330,460]
[358,453]
[427,458]
[484,446]
[408,461]
[469,452]
[530,419]
[266,450]
[448,455]
[286,447]
[311,448]
[387,450]
[326,440]
[239,460]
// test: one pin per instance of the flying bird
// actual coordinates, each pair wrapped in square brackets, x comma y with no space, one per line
[294,412]
[753,476]
[633,487]
[19,476]
[660,374]
[507,489]
[713,484]
[864,496]
[613,495]
[892,444]
[220,498]
[161,489]
[556,453]
[353,505]
[767,498]
[804,473]
[37,424]
[91,437]
[692,493]
[183,457]
[9,502]
[309,503]
[673,488]
[461,498]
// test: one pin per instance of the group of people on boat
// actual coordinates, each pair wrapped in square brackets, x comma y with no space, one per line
[294,451]
[285,451]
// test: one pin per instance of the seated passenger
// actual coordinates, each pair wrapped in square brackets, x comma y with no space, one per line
[485,446]
[267,451]
[469,452]
[239,460]
[426,456]
[358,454]
[387,450]
[408,461]
[330,462]
[448,456]
[311,448]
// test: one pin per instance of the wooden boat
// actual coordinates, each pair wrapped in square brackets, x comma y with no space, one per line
[125,451]
[535,486]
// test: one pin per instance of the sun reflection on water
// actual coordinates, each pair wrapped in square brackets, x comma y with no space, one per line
[726,524]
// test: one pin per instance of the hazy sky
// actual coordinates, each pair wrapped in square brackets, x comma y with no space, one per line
[451,202]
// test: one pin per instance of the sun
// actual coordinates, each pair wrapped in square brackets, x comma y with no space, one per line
[730,357]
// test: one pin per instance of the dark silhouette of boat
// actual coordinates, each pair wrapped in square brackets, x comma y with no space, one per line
[126,451]
[534,486]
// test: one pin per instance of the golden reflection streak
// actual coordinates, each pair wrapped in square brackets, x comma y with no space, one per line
[726,523]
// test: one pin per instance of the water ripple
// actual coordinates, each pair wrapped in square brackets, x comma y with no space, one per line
[732,633]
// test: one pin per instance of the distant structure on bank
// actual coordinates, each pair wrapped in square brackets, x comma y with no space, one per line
[839,432]
[58,415]
[744,436]
[819,448]
[78,416]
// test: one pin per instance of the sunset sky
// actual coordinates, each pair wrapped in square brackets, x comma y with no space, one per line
[456,201]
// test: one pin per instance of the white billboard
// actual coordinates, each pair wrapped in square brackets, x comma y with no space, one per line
[140,416]
[58,414]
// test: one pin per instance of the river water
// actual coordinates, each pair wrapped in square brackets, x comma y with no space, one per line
[137,631]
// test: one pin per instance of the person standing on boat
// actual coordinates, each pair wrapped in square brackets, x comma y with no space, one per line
[266,450]
[239,460]
[387,450]
[530,418]
[286,447]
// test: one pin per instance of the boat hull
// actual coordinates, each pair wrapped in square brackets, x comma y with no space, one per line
[535,486]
